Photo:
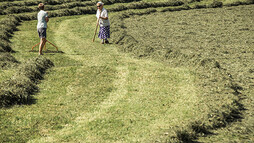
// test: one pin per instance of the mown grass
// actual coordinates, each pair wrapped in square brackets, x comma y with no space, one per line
[201,46]
[5,74]
[72,61]
[2,16]
[93,92]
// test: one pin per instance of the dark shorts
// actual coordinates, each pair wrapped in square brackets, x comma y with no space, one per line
[42,32]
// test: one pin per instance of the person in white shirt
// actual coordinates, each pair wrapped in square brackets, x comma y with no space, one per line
[104,23]
[42,26]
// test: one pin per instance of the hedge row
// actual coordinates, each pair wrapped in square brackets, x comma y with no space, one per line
[218,115]
[19,88]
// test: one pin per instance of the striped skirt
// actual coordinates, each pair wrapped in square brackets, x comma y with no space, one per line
[104,32]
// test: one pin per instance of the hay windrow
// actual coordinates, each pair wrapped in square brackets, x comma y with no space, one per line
[5,46]
[7,60]
[14,8]
[220,88]
[8,25]
[20,88]
[217,117]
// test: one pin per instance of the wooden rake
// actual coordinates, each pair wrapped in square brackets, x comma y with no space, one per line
[96,27]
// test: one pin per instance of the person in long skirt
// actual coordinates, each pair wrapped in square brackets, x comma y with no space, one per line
[104,23]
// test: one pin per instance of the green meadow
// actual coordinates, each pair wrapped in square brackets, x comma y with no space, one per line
[179,73]
[94,87]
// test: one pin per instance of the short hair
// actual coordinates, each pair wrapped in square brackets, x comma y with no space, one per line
[41,6]
[100,3]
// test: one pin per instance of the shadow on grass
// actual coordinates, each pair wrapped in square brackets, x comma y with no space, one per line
[22,86]
[48,51]
[31,100]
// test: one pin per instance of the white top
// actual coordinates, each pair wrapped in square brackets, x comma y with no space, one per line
[41,19]
[104,13]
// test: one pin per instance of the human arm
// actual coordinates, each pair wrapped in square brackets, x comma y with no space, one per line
[46,18]
[104,18]
[104,15]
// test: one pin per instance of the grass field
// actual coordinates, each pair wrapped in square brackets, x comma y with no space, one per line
[177,69]
[195,37]
[94,87]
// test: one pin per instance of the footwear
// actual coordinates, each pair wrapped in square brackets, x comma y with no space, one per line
[107,42]
[40,54]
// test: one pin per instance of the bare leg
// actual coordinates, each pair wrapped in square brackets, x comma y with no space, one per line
[102,41]
[42,43]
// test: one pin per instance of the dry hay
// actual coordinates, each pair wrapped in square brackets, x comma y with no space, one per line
[7,60]
[19,88]
[221,91]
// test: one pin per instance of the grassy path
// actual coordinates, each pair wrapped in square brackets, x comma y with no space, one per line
[96,94]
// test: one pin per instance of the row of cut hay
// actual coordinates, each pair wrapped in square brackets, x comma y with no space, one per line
[17,9]
[176,6]
[92,9]
[218,115]
[8,0]
[144,5]
[7,61]
[23,6]
[8,26]
[23,9]
[120,7]
[19,88]
[237,3]
[70,5]
[36,2]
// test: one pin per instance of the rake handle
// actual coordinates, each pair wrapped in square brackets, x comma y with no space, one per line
[96,27]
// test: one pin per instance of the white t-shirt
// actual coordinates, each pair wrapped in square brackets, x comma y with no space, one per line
[104,13]
[41,19]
